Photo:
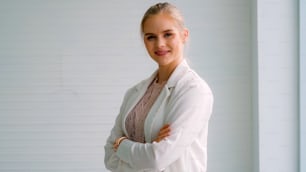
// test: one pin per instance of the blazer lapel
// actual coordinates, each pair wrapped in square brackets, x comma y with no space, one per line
[139,91]
[160,103]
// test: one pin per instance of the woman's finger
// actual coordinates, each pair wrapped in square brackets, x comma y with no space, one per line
[164,130]
[165,126]
[163,133]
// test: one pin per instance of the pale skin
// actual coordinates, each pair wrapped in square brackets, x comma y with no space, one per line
[164,40]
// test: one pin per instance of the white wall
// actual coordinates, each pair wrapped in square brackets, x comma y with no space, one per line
[277,36]
[65,65]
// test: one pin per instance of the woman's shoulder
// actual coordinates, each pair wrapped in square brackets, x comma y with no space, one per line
[192,80]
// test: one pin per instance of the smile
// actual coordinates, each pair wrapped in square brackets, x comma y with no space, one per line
[161,52]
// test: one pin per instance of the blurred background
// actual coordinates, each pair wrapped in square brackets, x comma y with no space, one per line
[66,64]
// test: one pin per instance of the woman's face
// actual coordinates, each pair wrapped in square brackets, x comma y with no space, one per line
[164,39]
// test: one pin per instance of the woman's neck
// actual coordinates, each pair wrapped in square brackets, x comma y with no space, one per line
[164,72]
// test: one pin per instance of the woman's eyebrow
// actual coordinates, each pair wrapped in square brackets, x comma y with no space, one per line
[168,30]
[148,34]
[165,31]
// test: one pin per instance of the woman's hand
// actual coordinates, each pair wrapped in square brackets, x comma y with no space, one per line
[117,142]
[163,133]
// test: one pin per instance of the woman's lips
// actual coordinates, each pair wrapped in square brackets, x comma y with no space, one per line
[161,52]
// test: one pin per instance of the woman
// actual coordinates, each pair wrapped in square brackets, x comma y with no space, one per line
[163,120]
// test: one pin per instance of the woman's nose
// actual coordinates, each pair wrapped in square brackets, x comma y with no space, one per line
[160,42]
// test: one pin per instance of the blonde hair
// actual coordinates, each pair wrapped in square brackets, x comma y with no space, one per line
[166,8]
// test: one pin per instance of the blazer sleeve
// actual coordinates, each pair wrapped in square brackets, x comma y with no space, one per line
[189,113]
[111,160]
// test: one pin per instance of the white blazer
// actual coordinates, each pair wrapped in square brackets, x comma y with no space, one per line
[185,103]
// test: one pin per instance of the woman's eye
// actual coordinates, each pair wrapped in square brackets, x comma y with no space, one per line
[150,38]
[168,35]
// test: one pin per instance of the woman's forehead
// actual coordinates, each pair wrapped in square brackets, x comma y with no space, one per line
[159,23]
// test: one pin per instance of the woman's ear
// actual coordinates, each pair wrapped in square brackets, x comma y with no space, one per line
[185,35]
